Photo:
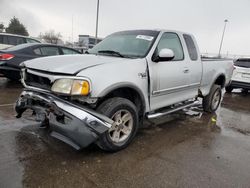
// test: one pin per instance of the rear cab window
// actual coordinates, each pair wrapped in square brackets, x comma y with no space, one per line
[192,51]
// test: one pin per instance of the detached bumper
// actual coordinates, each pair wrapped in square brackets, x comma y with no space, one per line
[68,122]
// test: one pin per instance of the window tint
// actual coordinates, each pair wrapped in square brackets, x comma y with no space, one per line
[37,51]
[243,63]
[31,40]
[15,40]
[20,40]
[171,41]
[48,51]
[12,40]
[5,40]
[68,51]
[191,47]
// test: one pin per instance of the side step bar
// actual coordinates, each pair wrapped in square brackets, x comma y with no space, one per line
[169,111]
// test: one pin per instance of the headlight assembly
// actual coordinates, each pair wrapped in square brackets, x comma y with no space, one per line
[71,86]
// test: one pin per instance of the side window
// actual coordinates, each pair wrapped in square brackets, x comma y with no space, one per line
[12,40]
[49,51]
[37,51]
[1,39]
[171,41]
[31,40]
[5,40]
[192,51]
[68,51]
[20,40]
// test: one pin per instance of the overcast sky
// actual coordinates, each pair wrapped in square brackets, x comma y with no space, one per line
[203,18]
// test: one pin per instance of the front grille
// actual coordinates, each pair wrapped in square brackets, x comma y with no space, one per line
[37,81]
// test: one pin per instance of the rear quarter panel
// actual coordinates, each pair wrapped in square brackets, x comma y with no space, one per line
[212,69]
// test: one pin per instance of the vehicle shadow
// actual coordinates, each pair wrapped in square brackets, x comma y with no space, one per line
[6,83]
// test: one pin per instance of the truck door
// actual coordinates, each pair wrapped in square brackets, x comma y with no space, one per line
[194,65]
[169,80]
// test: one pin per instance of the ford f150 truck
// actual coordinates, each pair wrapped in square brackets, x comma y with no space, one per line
[103,96]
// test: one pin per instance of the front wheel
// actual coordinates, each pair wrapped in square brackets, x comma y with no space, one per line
[124,113]
[212,101]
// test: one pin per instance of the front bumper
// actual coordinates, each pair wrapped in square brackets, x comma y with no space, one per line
[74,125]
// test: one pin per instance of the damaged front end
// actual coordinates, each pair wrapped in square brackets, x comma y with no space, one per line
[70,123]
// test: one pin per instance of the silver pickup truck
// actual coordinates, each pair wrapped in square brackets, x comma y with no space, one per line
[104,95]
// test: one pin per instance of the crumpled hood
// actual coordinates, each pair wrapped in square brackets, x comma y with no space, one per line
[69,64]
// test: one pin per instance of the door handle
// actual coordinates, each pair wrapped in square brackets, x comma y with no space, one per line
[186,70]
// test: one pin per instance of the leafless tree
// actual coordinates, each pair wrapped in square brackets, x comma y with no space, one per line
[51,36]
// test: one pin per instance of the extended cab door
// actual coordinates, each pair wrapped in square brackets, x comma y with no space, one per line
[194,65]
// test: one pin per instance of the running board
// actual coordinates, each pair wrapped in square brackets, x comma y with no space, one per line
[169,111]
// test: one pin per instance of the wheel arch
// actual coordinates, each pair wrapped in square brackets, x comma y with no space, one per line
[220,80]
[128,91]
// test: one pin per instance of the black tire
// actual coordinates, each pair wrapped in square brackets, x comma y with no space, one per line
[229,89]
[208,101]
[109,108]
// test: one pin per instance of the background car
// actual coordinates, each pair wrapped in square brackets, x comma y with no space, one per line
[11,58]
[7,40]
[241,75]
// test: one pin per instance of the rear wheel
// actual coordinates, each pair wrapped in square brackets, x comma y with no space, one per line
[124,113]
[212,101]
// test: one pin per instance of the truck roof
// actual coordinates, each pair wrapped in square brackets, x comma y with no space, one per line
[161,30]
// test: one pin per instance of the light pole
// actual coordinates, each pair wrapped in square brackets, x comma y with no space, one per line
[225,21]
[97,19]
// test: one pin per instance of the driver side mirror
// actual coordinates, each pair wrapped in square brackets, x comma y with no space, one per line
[165,54]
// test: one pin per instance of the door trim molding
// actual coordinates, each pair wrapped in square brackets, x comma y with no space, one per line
[175,89]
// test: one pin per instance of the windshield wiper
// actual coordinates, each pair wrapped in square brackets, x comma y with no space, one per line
[111,52]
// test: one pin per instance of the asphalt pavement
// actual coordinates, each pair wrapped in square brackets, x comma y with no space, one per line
[188,149]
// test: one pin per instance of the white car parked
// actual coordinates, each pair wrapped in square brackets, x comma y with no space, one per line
[7,40]
[241,75]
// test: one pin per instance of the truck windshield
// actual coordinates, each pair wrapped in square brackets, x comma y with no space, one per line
[243,63]
[130,44]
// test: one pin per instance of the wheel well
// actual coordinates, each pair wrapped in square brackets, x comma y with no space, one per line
[130,94]
[220,81]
